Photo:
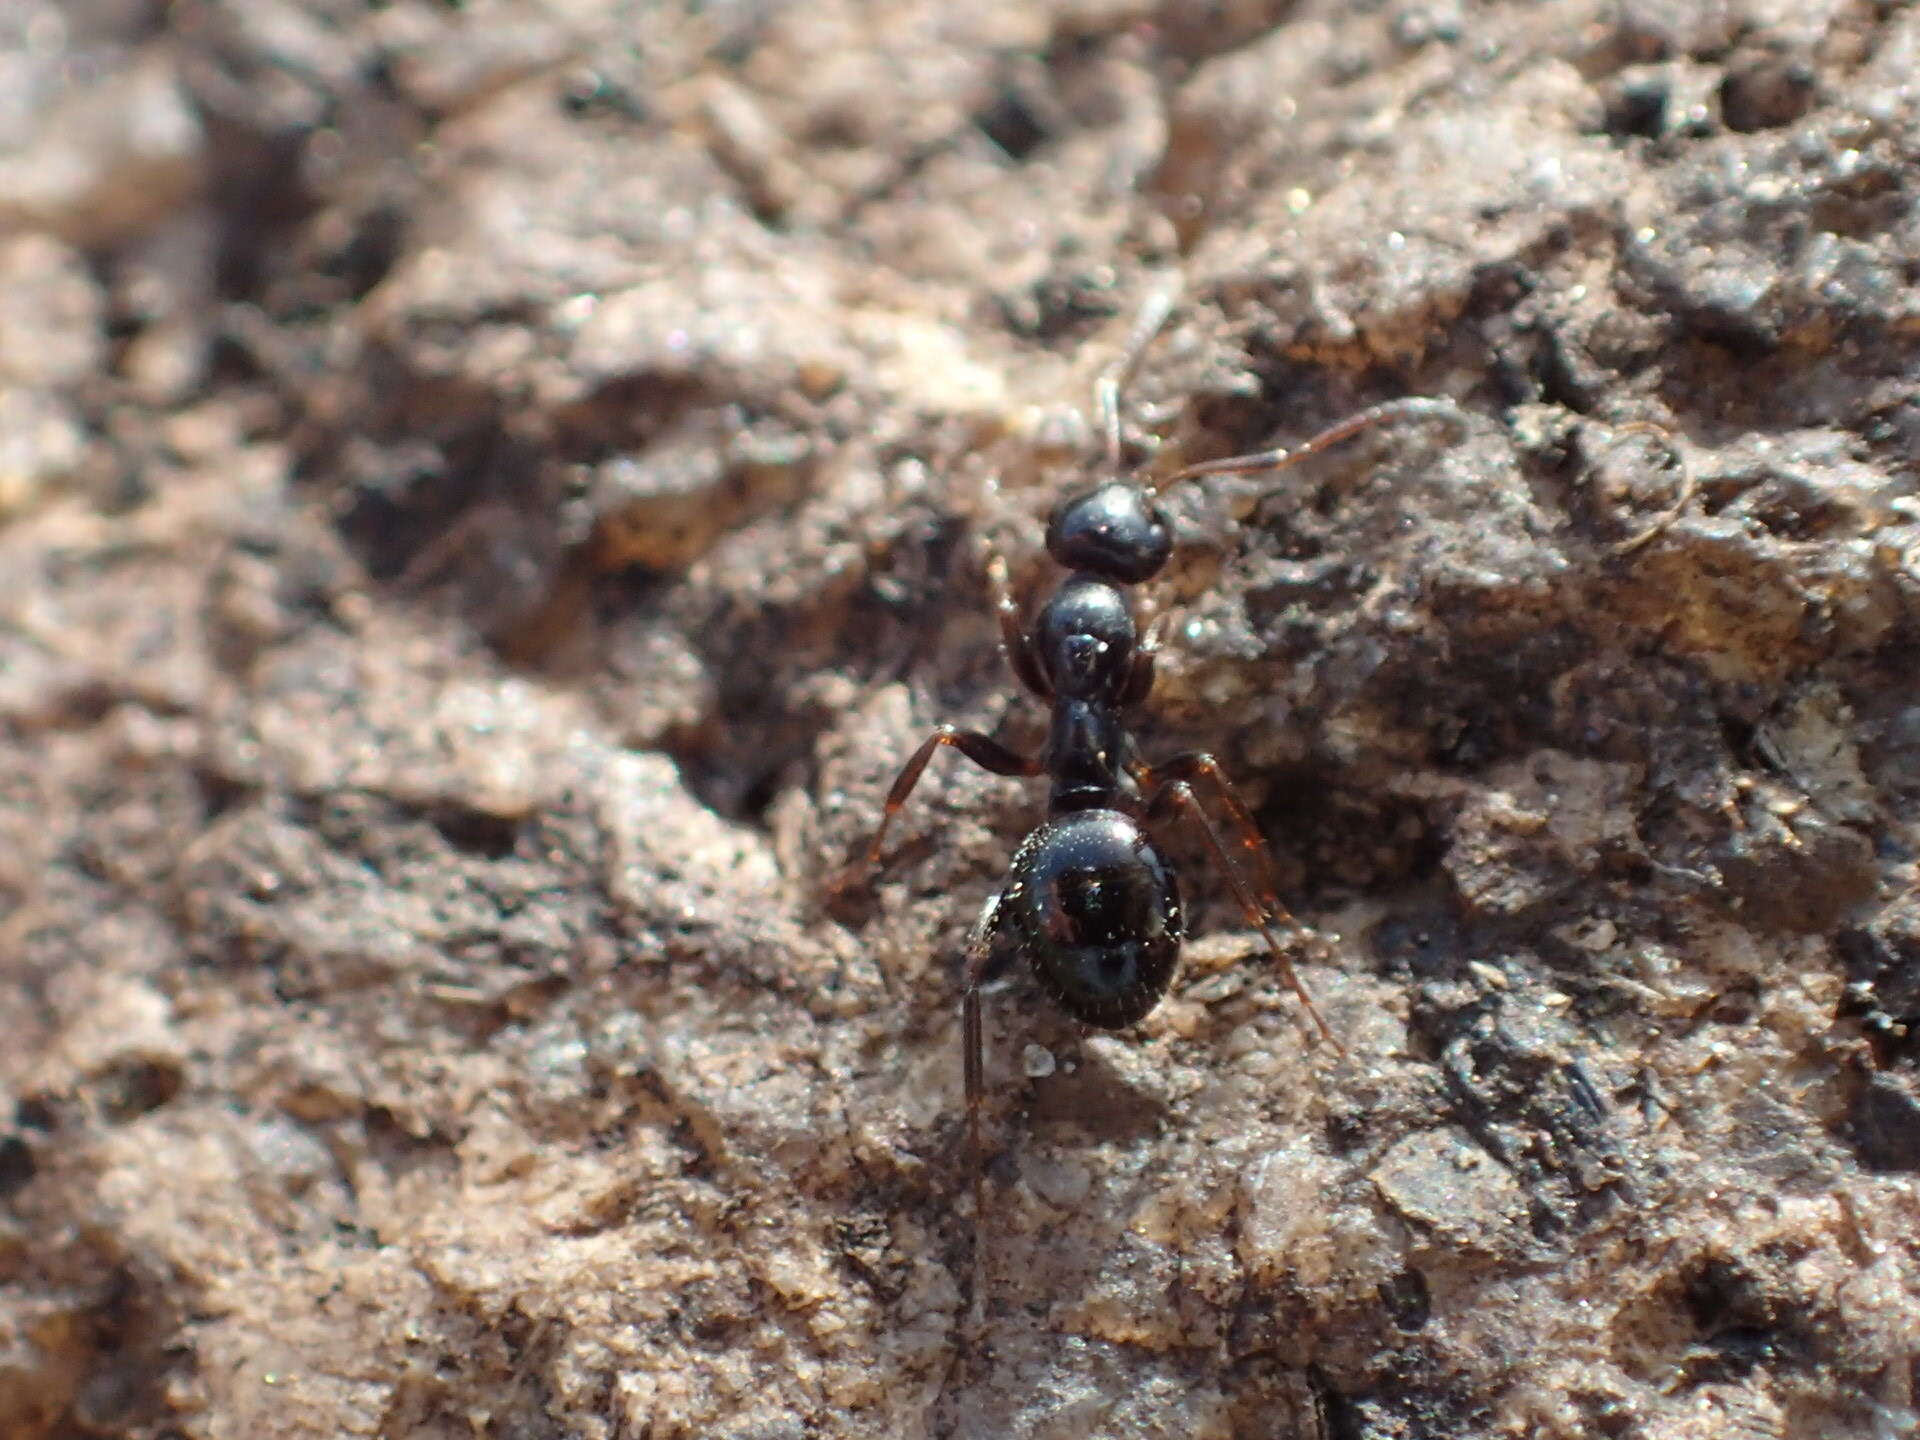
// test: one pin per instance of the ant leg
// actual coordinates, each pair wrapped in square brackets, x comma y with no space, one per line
[1140,673]
[973,1047]
[1180,792]
[1013,633]
[1198,764]
[987,753]
[1412,407]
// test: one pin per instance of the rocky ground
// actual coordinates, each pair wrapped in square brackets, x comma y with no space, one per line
[491,494]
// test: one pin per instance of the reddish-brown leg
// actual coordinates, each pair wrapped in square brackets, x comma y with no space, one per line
[1140,676]
[1013,630]
[987,753]
[973,1046]
[1249,842]
[1180,793]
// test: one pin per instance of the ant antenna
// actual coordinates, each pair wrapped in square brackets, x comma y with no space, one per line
[1108,389]
[1689,483]
[1412,407]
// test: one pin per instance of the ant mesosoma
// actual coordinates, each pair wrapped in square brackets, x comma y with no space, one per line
[1091,900]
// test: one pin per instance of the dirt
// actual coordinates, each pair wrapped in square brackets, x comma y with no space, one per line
[490,495]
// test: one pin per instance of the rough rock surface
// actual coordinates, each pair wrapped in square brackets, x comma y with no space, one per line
[489,495]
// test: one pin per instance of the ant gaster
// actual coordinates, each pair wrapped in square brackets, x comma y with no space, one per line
[1091,900]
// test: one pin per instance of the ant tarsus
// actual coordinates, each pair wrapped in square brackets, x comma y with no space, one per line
[1684,493]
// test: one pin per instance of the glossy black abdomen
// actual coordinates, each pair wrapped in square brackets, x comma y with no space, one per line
[1096,908]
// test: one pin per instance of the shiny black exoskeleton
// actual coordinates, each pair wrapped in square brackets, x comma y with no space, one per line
[1096,908]
[1091,901]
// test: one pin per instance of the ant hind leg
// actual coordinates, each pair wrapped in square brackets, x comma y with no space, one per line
[973,1045]
[1179,792]
[1251,844]
[1013,631]
[980,956]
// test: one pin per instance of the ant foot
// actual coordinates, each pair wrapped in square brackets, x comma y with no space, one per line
[849,891]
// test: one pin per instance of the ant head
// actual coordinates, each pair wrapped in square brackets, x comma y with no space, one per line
[1116,531]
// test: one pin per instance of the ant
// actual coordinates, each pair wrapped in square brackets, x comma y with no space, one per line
[1091,900]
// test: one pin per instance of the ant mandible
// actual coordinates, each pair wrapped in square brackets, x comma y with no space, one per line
[1091,900]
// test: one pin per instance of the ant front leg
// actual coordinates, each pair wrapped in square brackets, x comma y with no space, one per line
[1178,791]
[1013,631]
[1140,673]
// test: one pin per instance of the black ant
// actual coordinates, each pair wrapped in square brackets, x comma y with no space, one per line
[1091,900]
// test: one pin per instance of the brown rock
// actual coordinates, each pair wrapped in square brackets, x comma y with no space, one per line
[491,495]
